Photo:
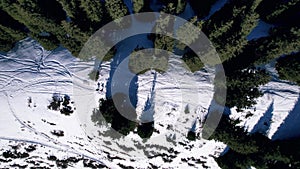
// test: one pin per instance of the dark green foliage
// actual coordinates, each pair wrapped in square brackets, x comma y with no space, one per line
[142,61]
[108,110]
[35,18]
[138,5]
[162,37]
[55,104]
[191,136]
[188,33]
[93,9]
[61,104]
[48,42]
[8,37]
[110,54]
[192,60]
[81,13]
[242,87]
[288,68]
[282,41]
[280,12]
[164,43]
[233,136]
[116,9]
[145,130]
[254,149]
[11,31]
[51,21]
[74,37]
[228,34]
[52,10]
[174,7]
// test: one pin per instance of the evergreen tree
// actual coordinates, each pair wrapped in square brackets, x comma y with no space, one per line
[192,60]
[278,11]
[108,110]
[242,87]
[255,150]
[163,28]
[33,17]
[116,9]
[93,9]
[74,38]
[138,5]
[176,6]
[77,11]
[288,67]
[8,37]
[235,137]
[10,31]
[282,41]
[188,33]
[229,34]
[37,20]
[145,130]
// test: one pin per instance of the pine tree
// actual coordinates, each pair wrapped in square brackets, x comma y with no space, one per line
[282,41]
[93,9]
[163,29]
[229,34]
[188,33]
[138,5]
[116,9]
[10,31]
[279,11]
[33,17]
[75,38]
[288,67]
[234,136]
[145,130]
[242,87]
[110,113]
[8,37]
[81,14]
[177,6]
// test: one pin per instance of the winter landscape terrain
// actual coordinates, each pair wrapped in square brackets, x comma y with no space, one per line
[31,77]
[54,104]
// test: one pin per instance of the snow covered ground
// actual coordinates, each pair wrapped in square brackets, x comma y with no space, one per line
[276,113]
[30,76]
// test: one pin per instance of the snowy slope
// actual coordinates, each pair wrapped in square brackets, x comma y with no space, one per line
[273,112]
[28,72]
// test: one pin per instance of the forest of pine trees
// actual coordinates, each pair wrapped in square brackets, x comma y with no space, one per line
[70,23]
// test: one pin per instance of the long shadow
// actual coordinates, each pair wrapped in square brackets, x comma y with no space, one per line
[148,111]
[290,128]
[263,124]
[124,49]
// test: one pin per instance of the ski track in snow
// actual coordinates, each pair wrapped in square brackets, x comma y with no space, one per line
[20,78]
